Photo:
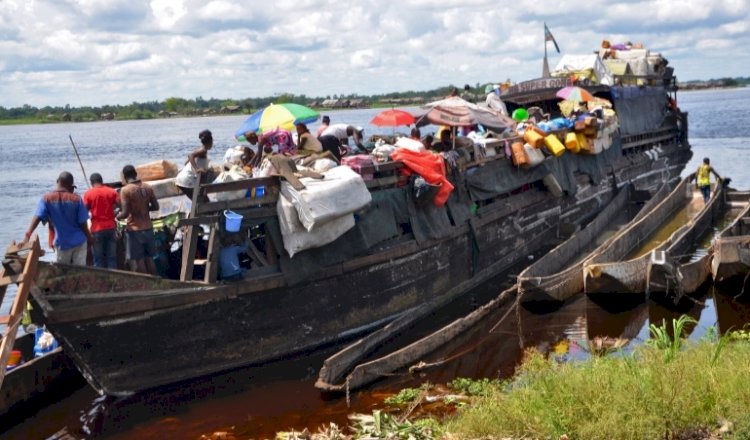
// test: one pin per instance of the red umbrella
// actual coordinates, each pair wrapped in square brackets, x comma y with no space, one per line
[392,118]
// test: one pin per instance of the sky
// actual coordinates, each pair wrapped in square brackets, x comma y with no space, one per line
[97,52]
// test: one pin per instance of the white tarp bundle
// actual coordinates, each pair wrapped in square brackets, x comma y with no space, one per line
[340,192]
[587,65]
[296,238]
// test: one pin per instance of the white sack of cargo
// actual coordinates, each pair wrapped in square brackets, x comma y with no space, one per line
[410,144]
[232,175]
[590,66]
[341,191]
[165,188]
[296,238]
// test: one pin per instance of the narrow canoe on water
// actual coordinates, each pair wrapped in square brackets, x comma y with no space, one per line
[26,386]
[557,275]
[686,263]
[731,249]
[621,267]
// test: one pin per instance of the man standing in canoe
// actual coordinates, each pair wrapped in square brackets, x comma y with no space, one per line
[703,178]
[69,217]
[137,199]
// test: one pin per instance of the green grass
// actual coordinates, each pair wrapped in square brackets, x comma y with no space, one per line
[662,390]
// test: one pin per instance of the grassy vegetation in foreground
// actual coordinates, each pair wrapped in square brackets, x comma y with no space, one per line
[660,391]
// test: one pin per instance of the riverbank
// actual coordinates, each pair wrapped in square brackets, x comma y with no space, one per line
[666,389]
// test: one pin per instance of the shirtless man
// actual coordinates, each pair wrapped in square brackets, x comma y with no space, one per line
[137,199]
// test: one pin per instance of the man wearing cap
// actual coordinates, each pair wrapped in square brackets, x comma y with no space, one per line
[101,201]
[137,199]
[65,210]
[340,133]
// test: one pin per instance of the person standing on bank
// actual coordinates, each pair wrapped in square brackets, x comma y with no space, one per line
[65,210]
[703,178]
[137,199]
[101,201]
[196,167]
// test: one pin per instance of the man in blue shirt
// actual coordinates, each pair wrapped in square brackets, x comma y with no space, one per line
[68,215]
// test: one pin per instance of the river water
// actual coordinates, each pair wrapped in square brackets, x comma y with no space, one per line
[258,403]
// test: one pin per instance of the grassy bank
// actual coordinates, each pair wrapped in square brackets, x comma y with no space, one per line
[645,396]
[666,389]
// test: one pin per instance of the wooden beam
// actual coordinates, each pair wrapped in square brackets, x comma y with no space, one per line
[190,238]
[212,264]
[198,221]
[213,207]
[236,185]
[19,303]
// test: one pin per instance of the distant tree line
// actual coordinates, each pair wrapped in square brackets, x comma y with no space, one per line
[199,106]
[715,82]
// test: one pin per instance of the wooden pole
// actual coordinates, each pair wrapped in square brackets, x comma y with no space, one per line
[85,176]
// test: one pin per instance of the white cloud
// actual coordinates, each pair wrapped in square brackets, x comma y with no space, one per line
[97,52]
[167,12]
[365,58]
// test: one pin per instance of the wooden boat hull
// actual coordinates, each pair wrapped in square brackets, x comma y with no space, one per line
[666,273]
[554,277]
[731,250]
[607,273]
[128,332]
[31,381]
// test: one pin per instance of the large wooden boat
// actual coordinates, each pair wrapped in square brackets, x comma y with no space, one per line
[730,258]
[128,332]
[622,266]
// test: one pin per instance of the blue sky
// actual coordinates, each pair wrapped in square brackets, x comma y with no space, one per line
[96,52]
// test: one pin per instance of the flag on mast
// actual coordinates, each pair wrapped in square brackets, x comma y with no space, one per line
[548,37]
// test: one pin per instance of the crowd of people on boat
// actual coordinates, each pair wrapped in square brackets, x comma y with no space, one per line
[68,215]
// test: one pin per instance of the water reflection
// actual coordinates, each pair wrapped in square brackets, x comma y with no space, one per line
[258,403]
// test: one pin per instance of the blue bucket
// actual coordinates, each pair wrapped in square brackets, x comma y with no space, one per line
[232,221]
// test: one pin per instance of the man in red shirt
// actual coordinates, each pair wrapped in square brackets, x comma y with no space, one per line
[101,201]
[137,200]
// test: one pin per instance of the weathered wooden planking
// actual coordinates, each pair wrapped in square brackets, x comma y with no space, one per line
[607,273]
[666,271]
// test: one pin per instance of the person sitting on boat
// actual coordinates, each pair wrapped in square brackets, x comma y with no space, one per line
[69,217]
[703,178]
[415,134]
[494,102]
[137,200]
[101,202]
[196,167]
[444,143]
[323,126]
[336,137]
[306,142]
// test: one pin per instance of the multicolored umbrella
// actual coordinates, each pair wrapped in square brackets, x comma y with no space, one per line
[392,118]
[275,116]
[574,93]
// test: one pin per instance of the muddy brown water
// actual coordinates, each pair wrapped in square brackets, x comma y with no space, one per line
[258,403]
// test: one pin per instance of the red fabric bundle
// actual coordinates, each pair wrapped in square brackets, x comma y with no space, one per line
[429,165]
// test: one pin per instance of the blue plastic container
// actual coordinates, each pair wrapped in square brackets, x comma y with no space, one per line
[232,221]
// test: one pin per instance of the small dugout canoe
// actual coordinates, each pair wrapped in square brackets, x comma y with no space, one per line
[731,249]
[621,267]
[682,267]
[557,275]
[26,386]
[332,379]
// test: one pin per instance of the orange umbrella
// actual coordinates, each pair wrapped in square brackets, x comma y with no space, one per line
[392,118]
